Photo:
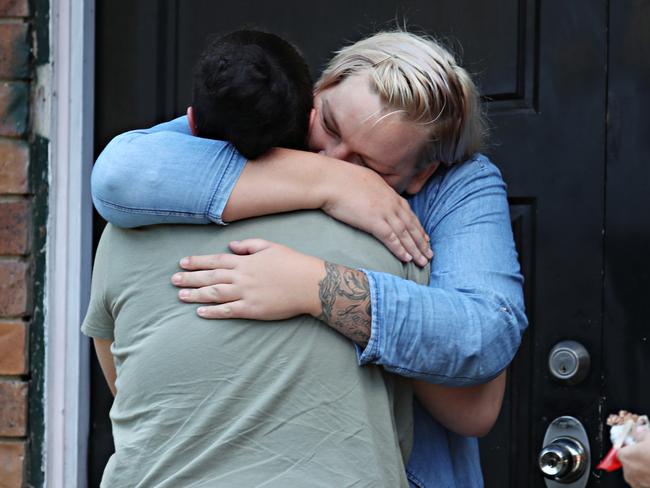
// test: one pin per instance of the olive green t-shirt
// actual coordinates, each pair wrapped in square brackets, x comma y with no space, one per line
[241,403]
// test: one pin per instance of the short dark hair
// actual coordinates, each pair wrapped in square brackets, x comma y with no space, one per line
[253,89]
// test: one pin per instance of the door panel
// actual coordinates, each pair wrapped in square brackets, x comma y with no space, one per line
[542,68]
[551,154]
[627,240]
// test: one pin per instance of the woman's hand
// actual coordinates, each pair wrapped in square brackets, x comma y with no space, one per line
[262,281]
[636,462]
[362,199]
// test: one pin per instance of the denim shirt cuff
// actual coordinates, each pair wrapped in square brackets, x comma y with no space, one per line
[372,352]
[224,187]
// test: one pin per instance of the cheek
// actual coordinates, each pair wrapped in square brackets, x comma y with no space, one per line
[395,182]
[318,138]
[312,143]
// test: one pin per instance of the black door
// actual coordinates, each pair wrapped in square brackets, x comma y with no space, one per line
[564,86]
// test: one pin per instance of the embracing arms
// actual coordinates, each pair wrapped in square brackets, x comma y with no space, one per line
[342,301]
[166,175]
[462,329]
[470,318]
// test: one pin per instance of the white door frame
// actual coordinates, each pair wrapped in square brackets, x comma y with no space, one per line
[69,240]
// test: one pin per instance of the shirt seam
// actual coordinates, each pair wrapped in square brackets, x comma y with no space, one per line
[213,215]
[414,479]
[90,330]
[151,211]
[372,351]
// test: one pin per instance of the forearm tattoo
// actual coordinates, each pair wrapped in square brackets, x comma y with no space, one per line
[345,302]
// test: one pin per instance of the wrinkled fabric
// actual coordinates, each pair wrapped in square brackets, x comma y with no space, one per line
[148,176]
[242,402]
[462,329]
[466,325]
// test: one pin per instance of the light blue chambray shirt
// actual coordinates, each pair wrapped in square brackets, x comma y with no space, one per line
[464,328]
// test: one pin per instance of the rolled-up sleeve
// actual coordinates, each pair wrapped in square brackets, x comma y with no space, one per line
[466,326]
[164,175]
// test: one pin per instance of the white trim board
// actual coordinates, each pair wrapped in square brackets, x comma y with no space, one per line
[69,246]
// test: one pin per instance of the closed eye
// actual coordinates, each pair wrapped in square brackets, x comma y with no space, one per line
[328,126]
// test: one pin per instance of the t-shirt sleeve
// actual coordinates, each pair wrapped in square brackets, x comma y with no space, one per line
[99,322]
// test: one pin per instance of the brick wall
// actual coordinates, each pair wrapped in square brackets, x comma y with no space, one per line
[16,257]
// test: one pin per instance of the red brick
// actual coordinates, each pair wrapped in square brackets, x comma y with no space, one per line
[13,408]
[14,227]
[14,50]
[14,8]
[13,337]
[13,288]
[14,108]
[14,161]
[12,464]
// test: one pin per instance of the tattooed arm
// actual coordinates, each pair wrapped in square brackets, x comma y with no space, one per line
[470,411]
[345,301]
[256,283]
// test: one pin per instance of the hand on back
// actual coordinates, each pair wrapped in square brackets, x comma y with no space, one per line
[262,281]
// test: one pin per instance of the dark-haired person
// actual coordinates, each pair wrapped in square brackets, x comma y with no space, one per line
[254,90]
[400,105]
[191,407]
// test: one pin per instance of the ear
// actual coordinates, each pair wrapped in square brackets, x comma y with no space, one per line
[421,177]
[312,117]
[191,122]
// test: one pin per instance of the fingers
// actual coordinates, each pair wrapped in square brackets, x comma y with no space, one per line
[210,294]
[418,234]
[232,310]
[197,279]
[407,240]
[422,252]
[390,239]
[249,246]
[210,261]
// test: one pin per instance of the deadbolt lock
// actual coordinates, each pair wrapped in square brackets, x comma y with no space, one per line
[569,362]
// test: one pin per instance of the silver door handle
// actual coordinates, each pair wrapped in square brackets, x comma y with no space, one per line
[565,459]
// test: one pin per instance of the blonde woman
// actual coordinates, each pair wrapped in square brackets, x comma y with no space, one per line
[400,108]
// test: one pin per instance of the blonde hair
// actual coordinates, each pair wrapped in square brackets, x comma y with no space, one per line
[417,77]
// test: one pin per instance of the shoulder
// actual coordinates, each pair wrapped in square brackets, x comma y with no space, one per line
[450,187]
[476,169]
[460,178]
[317,234]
